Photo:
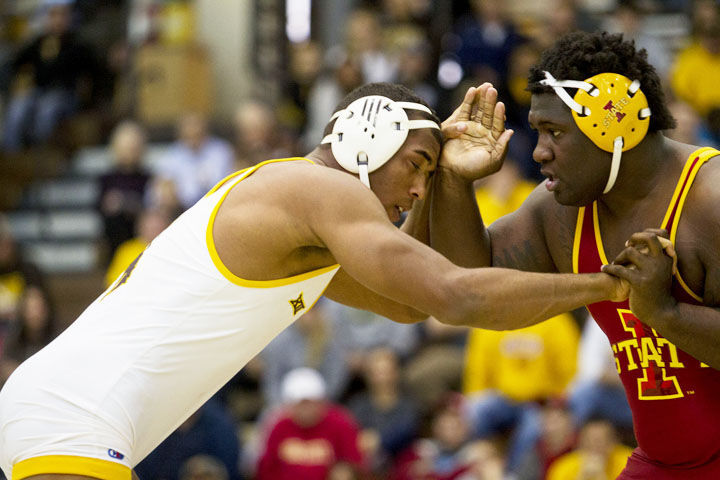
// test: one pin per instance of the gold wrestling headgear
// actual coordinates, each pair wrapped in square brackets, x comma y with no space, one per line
[610,109]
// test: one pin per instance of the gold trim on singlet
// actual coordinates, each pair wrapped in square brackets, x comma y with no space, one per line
[576,240]
[211,242]
[71,465]
[678,187]
[250,171]
[687,289]
[598,238]
[687,177]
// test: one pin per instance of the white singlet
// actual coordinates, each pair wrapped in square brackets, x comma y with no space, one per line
[171,330]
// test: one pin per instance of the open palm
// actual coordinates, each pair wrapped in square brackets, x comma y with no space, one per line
[475,136]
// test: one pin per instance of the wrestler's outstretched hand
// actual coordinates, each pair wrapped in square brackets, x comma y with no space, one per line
[475,136]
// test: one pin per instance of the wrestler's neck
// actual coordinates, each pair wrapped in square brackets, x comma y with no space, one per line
[648,169]
[322,156]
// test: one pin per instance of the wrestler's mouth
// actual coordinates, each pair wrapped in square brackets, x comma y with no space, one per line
[397,212]
[551,182]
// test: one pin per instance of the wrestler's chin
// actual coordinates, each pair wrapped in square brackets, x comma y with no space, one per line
[567,199]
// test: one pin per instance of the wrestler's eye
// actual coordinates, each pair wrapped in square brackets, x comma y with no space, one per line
[555,133]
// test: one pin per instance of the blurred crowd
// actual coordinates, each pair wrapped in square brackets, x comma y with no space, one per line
[343,393]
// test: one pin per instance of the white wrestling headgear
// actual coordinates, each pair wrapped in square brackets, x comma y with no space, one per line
[610,109]
[370,131]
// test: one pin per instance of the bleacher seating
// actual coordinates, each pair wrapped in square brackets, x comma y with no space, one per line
[57,223]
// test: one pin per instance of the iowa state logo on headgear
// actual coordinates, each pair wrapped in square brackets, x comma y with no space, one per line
[618,109]
[610,109]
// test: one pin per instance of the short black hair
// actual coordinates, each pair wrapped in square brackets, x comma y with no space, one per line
[393,91]
[580,55]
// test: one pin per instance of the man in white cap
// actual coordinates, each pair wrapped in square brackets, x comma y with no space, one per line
[312,435]
[47,74]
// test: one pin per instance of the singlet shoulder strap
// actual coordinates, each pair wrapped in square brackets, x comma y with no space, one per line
[672,216]
[588,251]
[696,160]
[210,240]
[577,240]
[246,172]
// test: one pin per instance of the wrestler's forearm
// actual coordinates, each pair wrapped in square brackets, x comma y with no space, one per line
[503,299]
[456,226]
[692,328]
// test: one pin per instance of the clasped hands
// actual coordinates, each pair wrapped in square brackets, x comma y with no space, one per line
[646,267]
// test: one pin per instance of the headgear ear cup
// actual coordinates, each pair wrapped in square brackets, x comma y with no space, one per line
[370,131]
[610,110]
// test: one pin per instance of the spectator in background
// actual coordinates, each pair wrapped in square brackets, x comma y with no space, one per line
[563,18]
[50,76]
[311,436]
[485,42]
[149,225]
[33,329]
[196,161]
[703,14]
[710,131]
[436,367]
[309,342]
[486,462]
[365,40]
[693,128]
[397,13]
[690,127]
[122,189]
[162,195]
[502,192]
[696,71]
[209,431]
[450,453]
[599,455]
[344,75]
[629,19]
[360,331]
[243,393]
[389,418]
[517,103]
[16,275]
[203,467]
[557,437]
[305,67]
[560,17]
[415,62]
[258,136]
[344,471]
[507,372]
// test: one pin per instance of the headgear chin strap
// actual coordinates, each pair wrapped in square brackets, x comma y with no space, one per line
[610,110]
[370,131]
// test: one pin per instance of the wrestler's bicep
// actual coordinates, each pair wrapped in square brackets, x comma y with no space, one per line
[518,240]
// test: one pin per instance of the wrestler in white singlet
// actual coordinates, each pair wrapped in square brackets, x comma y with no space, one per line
[174,328]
